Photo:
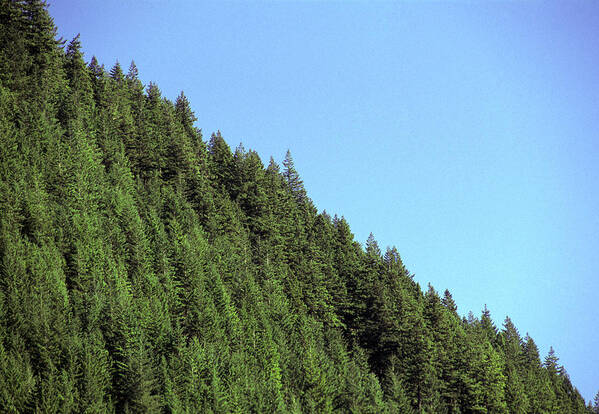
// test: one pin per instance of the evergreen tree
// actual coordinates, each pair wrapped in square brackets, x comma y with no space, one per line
[293,179]
[448,302]
[145,270]
[487,325]
[372,247]
[116,73]
[551,362]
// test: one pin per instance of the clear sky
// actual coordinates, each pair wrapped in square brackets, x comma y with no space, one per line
[465,133]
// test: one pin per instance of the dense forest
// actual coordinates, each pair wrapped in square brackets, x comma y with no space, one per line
[145,269]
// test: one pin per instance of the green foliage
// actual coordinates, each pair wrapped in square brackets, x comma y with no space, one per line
[145,270]
[595,407]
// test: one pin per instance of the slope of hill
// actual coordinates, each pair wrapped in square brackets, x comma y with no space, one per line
[143,269]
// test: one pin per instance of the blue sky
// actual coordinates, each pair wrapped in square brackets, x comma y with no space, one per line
[465,133]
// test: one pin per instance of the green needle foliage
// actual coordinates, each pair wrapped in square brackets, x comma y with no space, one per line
[145,270]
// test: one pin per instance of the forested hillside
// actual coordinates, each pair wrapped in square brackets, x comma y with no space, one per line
[145,269]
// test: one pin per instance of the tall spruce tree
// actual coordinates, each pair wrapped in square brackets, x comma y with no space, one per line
[293,179]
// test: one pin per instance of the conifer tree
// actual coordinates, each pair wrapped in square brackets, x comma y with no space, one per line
[145,270]
[185,114]
[488,326]
[448,302]
[95,68]
[116,73]
[372,247]
[551,362]
[293,179]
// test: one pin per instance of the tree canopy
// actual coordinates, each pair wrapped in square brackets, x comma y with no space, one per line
[143,269]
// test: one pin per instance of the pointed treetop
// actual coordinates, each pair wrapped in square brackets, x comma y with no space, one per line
[74,47]
[289,165]
[293,179]
[184,112]
[551,362]
[510,329]
[182,101]
[372,247]
[431,292]
[216,139]
[95,68]
[133,72]
[273,167]
[448,301]
[135,85]
[472,320]
[596,403]
[487,324]
[240,151]
[153,93]
[75,66]
[253,159]
[531,351]
[116,72]
[511,340]
[391,255]
[344,233]
[393,261]
[219,149]
[486,313]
